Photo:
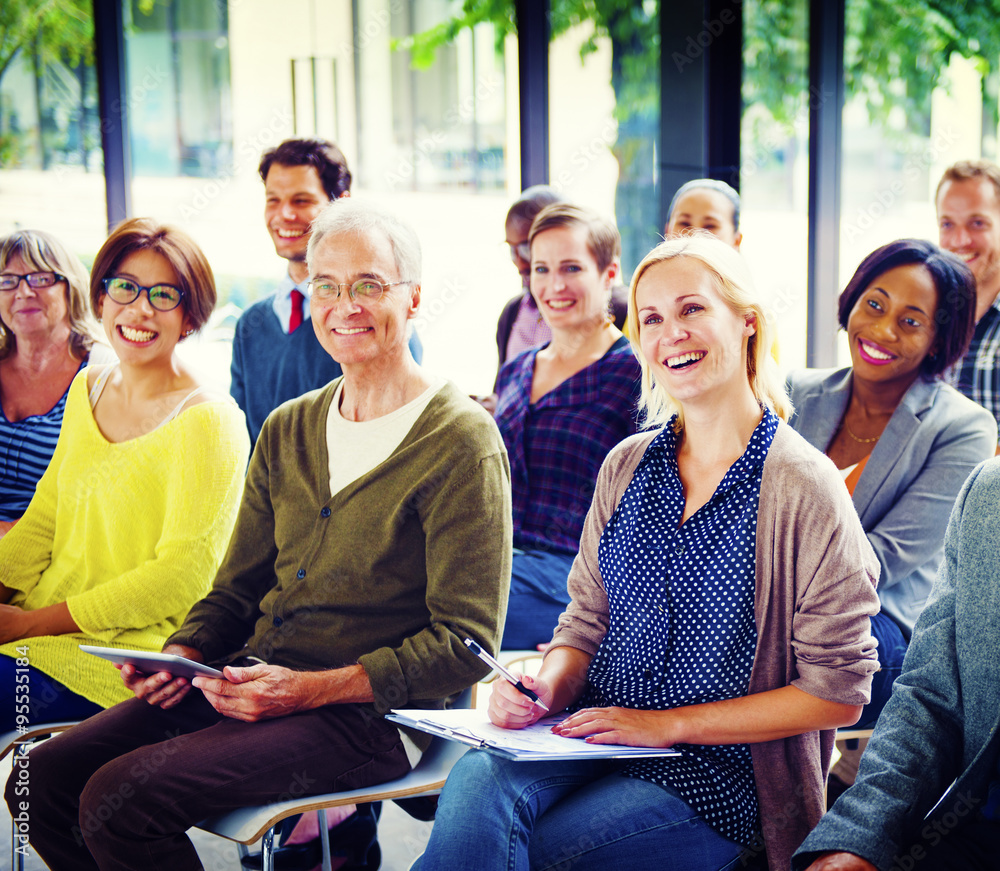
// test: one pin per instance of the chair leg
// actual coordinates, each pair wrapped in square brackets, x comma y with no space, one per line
[267,850]
[324,839]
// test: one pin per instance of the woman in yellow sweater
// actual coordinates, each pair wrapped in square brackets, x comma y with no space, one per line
[130,521]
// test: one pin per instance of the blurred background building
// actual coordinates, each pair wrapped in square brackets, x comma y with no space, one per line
[834,118]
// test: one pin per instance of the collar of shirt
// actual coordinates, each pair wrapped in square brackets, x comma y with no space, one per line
[282,301]
[663,448]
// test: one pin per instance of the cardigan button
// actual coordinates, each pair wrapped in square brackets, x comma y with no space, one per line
[679,548]
[300,574]
[324,512]
[278,621]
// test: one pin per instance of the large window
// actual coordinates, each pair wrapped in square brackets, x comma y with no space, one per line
[774,164]
[50,148]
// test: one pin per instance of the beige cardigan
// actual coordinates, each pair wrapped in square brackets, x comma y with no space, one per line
[815,592]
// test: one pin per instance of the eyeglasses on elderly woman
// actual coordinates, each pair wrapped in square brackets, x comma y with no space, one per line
[34,280]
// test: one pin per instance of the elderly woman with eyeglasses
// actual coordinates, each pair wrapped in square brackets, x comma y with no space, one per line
[46,337]
[132,516]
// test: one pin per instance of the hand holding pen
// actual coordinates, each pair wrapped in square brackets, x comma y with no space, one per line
[505,673]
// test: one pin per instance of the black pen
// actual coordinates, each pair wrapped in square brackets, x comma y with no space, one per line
[490,661]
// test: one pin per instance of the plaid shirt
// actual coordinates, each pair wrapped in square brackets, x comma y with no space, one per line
[557,445]
[978,374]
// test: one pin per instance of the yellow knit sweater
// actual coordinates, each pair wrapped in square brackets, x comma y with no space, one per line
[128,534]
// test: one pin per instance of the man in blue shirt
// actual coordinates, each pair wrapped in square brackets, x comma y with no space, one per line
[276,355]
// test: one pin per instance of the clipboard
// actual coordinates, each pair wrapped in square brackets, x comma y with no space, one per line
[536,742]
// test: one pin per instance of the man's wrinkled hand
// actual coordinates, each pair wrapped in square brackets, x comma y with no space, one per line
[257,692]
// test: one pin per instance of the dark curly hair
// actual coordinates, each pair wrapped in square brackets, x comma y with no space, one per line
[324,156]
[955,316]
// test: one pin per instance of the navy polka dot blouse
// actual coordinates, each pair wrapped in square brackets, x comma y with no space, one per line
[682,628]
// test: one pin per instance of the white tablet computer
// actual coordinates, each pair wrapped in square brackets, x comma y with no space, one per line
[151,663]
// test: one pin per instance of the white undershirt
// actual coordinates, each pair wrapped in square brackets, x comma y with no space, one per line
[847,470]
[364,445]
[357,447]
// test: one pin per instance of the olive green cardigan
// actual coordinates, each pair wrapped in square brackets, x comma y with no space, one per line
[392,572]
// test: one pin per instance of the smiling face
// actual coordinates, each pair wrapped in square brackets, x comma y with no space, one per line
[139,333]
[360,331]
[694,344]
[891,327]
[569,288]
[294,196]
[33,312]
[703,209]
[969,225]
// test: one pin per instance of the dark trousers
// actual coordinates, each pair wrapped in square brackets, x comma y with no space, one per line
[119,790]
[972,847]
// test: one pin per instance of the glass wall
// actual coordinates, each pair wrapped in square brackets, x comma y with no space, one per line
[219,84]
[50,146]
[774,163]
[604,119]
[912,110]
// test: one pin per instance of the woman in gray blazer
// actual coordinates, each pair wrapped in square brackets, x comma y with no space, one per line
[904,440]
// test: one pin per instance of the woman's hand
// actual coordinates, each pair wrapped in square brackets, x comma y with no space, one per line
[512,709]
[161,689]
[841,862]
[13,623]
[619,726]
[16,623]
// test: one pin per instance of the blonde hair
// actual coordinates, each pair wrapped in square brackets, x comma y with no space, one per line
[732,279]
[42,252]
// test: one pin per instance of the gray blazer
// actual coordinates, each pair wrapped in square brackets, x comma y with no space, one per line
[940,725]
[935,438]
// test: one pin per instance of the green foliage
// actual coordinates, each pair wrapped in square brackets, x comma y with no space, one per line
[59,29]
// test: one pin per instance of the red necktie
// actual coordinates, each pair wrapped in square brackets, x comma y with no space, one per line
[296,319]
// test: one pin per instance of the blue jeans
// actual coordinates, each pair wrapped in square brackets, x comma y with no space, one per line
[498,815]
[891,650]
[537,597]
[48,700]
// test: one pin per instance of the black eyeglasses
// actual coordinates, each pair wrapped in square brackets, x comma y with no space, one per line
[369,288]
[162,297]
[35,280]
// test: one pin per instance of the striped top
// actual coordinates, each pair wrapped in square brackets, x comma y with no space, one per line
[26,447]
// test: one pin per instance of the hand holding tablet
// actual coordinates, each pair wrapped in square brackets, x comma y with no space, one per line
[152,663]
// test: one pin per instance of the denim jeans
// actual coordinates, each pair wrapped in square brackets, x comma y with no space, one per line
[499,815]
[538,596]
[891,650]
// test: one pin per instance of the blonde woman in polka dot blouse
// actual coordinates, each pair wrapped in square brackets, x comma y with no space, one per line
[720,606]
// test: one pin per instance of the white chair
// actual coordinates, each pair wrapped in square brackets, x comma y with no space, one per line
[248,825]
[20,743]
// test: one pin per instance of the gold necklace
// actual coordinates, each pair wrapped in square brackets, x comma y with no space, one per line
[860,440]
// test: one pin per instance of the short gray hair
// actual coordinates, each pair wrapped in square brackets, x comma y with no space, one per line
[350,216]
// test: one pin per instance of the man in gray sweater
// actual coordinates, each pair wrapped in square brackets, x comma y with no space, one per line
[927,797]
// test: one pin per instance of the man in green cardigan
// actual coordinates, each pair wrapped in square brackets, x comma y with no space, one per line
[373,537]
